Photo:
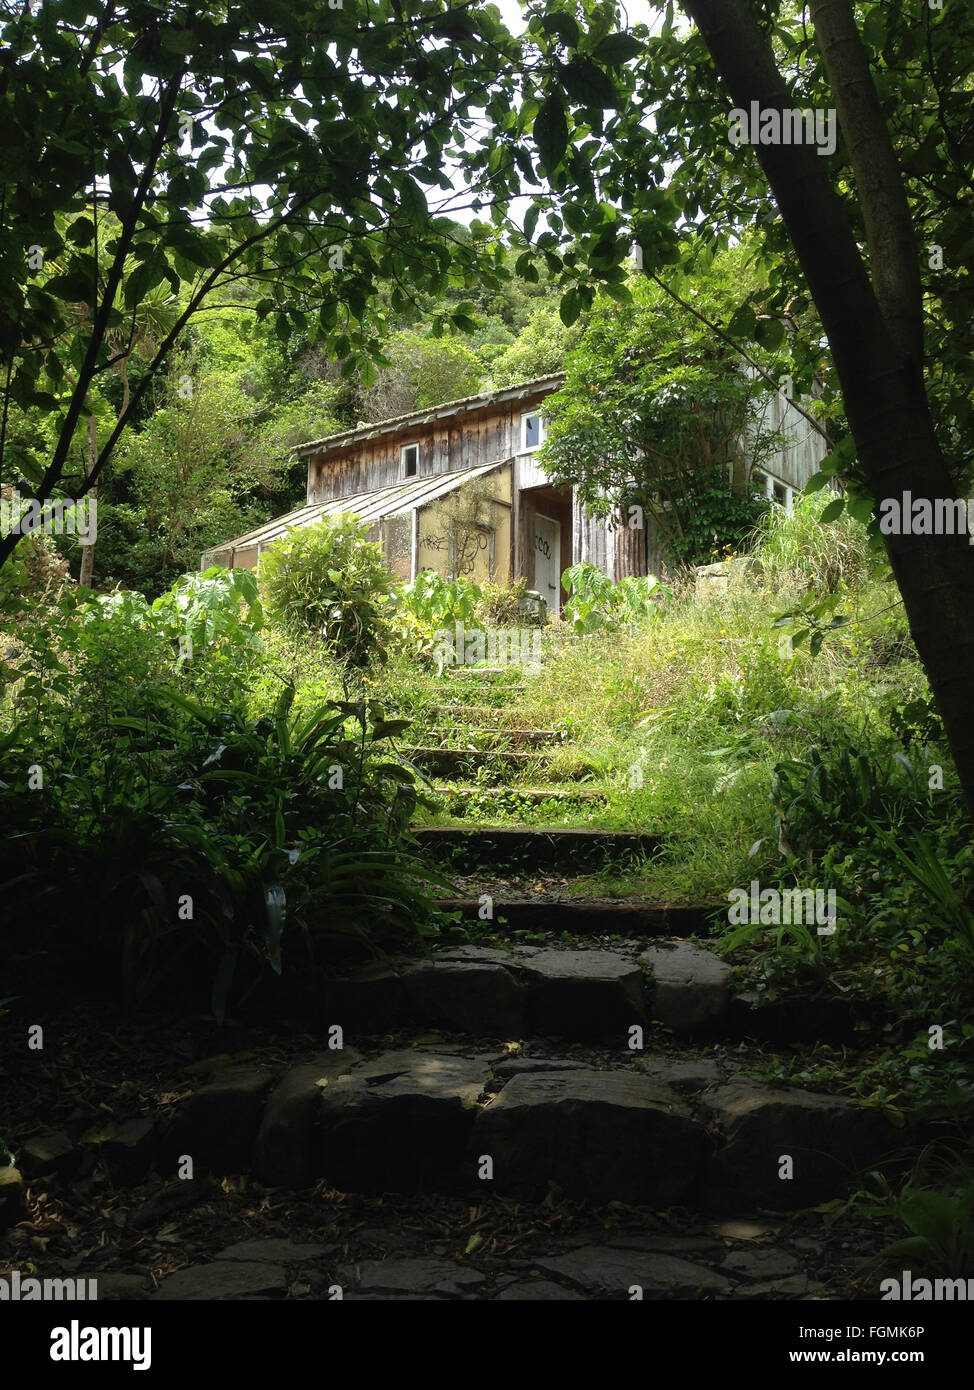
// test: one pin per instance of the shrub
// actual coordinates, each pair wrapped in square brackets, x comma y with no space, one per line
[207,846]
[597,603]
[329,579]
[797,548]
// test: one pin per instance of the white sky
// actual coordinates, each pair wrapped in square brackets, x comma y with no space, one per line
[637,12]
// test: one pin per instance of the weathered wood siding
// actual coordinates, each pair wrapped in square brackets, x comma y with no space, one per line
[618,553]
[796,463]
[461,441]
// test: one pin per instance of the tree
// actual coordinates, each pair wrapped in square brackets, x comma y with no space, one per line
[289,145]
[421,372]
[865,230]
[656,409]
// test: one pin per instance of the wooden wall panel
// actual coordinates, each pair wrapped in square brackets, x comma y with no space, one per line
[446,445]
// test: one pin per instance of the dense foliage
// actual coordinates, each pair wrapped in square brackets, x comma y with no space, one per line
[656,408]
[331,581]
[176,826]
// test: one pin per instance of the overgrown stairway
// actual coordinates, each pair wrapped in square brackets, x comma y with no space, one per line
[474,749]
[609,1060]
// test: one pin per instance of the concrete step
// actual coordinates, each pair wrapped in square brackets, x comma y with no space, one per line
[457,794]
[544,848]
[465,736]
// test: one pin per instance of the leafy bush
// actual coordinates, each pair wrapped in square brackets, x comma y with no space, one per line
[832,795]
[597,603]
[199,610]
[941,1226]
[437,602]
[329,579]
[206,845]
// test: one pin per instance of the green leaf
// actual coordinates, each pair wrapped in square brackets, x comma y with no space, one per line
[616,49]
[832,511]
[388,728]
[860,507]
[412,198]
[586,84]
[563,27]
[551,133]
[743,323]
[275,900]
[874,29]
[570,307]
[770,333]
[222,982]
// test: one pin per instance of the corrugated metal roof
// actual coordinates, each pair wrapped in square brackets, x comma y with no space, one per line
[367,506]
[426,417]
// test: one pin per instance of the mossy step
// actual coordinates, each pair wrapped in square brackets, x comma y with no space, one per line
[545,847]
[456,791]
[488,673]
[444,762]
[472,713]
[526,737]
[587,918]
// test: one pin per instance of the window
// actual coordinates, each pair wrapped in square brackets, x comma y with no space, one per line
[532,430]
[410,460]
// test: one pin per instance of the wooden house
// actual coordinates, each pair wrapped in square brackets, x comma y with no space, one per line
[457,488]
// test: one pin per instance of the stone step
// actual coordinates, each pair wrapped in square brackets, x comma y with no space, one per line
[643,1131]
[518,738]
[529,991]
[581,995]
[450,762]
[589,917]
[458,794]
[544,848]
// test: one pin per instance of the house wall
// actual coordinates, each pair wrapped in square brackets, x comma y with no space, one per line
[459,441]
[493,432]
[796,463]
[491,562]
[617,553]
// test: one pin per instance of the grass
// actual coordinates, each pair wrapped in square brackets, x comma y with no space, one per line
[677,723]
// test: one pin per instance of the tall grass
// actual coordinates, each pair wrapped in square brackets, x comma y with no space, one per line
[678,721]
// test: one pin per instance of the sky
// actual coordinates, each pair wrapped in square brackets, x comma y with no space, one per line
[637,12]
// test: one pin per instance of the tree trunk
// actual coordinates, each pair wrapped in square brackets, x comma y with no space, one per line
[881,384]
[88,551]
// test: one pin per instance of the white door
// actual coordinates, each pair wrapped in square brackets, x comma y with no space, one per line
[547,561]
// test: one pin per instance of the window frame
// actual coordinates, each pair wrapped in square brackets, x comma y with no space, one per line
[527,415]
